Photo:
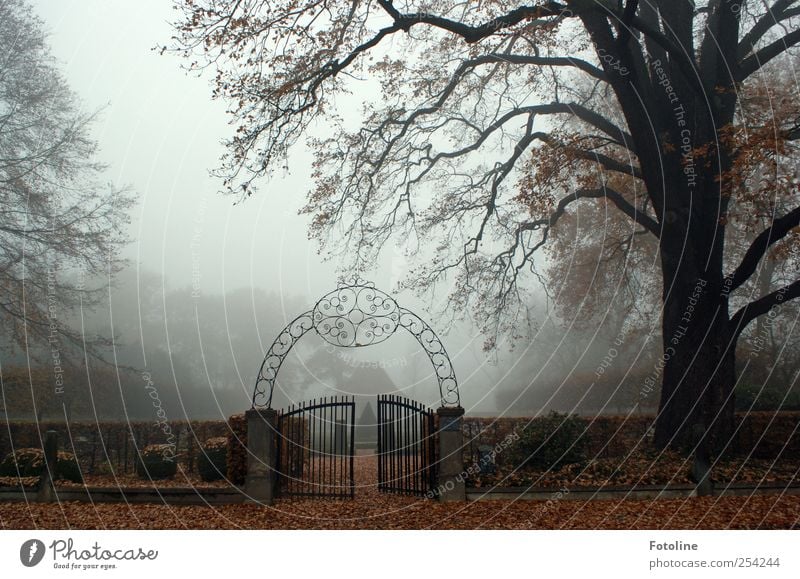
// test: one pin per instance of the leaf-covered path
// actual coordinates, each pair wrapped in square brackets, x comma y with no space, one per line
[758,512]
[373,510]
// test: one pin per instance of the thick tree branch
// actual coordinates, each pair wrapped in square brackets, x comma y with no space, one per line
[779,229]
[638,216]
[472,34]
[774,15]
[757,60]
[590,117]
[763,305]
[596,120]
[627,15]
[605,161]
[614,196]
[578,63]
[676,52]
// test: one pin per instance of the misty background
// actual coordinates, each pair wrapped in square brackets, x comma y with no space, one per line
[210,283]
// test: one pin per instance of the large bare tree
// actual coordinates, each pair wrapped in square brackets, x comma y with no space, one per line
[60,226]
[466,152]
[617,262]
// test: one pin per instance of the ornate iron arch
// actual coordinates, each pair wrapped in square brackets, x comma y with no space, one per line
[354,315]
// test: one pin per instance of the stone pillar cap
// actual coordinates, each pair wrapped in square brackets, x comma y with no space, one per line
[450,411]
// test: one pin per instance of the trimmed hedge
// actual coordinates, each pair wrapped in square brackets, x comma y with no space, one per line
[764,434]
[103,446]
[550,442]
[212,464]
[765,398]
[761,435]
[27,462]
[157,461]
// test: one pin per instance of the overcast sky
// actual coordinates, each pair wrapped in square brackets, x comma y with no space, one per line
[160,133]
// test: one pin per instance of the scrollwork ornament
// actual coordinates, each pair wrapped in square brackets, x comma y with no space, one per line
[354,315]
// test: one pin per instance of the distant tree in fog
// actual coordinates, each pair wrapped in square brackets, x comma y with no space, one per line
[60,225]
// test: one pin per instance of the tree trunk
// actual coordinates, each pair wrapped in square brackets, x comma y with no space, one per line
[699,344]
[699,358]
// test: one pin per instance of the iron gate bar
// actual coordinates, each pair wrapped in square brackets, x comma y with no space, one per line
[405,446]
[316,448]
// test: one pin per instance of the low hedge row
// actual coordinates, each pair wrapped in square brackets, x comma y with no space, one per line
[223,451]
[761,435]
[102,446]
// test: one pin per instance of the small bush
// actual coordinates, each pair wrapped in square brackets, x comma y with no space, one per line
[67,468]
[157,461]
[550,442]
[213,462]
[30,462]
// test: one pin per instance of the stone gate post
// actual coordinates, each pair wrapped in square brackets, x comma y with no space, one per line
[262,438]
[45,492]
[451,485]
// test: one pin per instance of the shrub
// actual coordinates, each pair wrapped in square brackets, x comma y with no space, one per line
[550,442]
[751,397]
[67,468]
[213,462]
[157,461]
[30,462]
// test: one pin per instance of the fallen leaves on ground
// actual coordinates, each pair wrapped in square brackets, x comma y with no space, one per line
[374,510]
[393,512]
[25,481]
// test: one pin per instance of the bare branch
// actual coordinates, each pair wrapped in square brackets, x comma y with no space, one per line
[614,196]
[578,63]
[763,305]
[757,60]
[472,34]
[779,229]
[775,14]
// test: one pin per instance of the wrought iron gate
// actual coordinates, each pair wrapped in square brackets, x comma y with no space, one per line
[406,446]
[316,447]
